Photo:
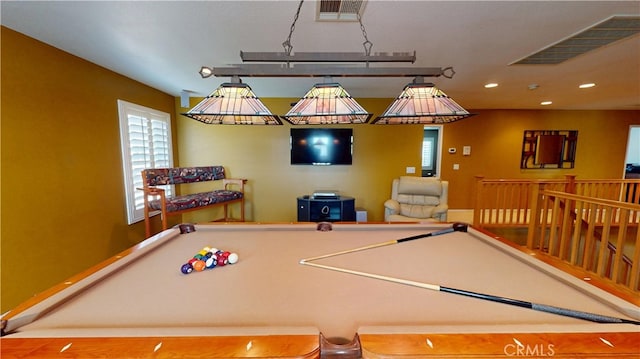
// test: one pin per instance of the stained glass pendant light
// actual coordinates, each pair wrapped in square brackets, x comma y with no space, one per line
[233,103]
[327,103]
[422,103]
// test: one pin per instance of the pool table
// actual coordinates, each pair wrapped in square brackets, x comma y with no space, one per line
[269,304]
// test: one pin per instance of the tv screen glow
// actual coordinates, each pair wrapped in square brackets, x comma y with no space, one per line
[321,146]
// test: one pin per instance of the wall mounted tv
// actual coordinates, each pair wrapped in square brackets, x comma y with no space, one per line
[321,146]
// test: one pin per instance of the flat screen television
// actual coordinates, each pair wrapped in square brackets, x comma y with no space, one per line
[321,146]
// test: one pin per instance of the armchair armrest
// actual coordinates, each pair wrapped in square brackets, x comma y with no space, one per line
[440,212]
[392,206]
[441,208]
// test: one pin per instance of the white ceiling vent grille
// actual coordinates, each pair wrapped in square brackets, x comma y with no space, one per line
[601,34]
[339,10]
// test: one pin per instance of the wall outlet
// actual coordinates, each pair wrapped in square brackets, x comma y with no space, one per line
[466,151]
[456,166]
[411,170]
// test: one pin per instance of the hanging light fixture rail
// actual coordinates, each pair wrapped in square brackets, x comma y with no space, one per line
[406,57]
[307,70]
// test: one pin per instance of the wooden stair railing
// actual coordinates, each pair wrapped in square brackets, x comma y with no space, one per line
[611,250]
[507,202]
[574,228]
[571,219]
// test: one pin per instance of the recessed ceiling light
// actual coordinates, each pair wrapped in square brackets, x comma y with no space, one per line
[586,86]
[491,85]
[546,103]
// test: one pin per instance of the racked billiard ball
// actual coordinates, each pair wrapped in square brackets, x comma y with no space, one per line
[186,268]
[211,262]
[199,265]
[233,258]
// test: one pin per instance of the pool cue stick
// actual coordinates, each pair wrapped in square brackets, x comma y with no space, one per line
[519,303]
[456,227]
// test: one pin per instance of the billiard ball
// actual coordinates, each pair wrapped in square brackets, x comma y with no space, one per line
[221,258]
[199,265]
[232,258]
[186,268]
[211,262]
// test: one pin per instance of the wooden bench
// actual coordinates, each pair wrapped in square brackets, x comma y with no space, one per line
[232,192]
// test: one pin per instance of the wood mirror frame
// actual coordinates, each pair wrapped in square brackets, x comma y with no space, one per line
[548,149]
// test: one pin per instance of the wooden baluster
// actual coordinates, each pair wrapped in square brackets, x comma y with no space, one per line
[622,235]
[634,277]
[604,245]
[477,210]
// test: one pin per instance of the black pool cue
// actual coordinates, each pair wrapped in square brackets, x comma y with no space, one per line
[541,307]
[456,227]
[519,303]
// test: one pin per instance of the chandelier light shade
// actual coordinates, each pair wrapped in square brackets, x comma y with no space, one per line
[233,104]
[327,103]
[422,103]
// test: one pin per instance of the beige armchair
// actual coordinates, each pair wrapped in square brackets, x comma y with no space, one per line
[417,199]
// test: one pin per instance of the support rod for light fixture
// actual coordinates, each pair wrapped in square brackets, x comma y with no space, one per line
[327,57]
[267,70]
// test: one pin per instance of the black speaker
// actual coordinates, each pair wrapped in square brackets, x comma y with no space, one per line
[326,210]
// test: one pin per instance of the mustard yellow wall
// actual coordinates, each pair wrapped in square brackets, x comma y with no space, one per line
[495,137]
[63,206]
[261,154]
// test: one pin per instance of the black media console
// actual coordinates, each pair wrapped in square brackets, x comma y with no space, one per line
[314,209]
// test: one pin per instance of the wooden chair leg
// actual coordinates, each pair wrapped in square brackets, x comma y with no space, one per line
[147,222]
[164,221]
[147,226]
[163,213]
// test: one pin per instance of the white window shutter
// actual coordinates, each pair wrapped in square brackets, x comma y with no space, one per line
[145,137]
[427,153]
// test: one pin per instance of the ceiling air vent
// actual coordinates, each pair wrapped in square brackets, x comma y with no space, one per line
[339,10]
[601,34]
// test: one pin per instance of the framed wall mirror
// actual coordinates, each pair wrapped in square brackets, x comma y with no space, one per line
[548,149]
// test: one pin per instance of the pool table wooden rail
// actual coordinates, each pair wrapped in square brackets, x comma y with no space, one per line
[502,345]
[378,346]
[272,346]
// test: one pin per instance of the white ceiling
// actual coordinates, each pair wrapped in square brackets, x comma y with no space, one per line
[164,43]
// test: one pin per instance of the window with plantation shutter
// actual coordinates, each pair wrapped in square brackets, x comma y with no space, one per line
[427,153]
[431,149]
[145,137]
